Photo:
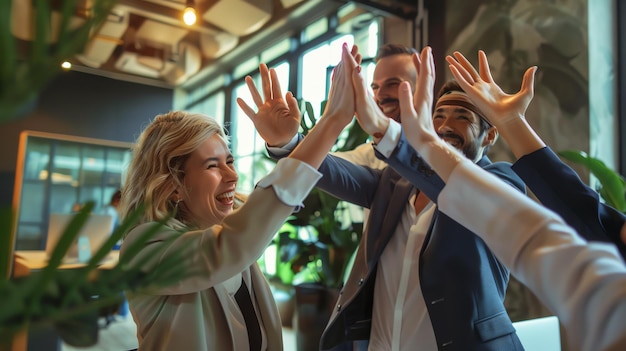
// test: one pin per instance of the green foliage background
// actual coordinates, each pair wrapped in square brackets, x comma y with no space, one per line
[69,300]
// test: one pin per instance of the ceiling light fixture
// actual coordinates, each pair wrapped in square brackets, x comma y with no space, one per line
[189,14]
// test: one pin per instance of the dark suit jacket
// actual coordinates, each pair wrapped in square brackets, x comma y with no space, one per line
[462,281]
[559,188]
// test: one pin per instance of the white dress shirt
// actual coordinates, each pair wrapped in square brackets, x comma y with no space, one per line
[400,320]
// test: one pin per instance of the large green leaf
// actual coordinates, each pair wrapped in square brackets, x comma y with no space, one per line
[26,67]
[612,184]
[68,298]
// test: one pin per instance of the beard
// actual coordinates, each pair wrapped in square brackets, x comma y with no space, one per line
[470,150]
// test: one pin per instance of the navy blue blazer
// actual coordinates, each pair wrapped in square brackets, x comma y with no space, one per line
[560,189]
[463,283]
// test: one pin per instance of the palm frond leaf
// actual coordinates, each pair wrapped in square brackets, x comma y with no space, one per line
[612,184]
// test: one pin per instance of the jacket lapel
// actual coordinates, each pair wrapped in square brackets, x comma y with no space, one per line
[387,210]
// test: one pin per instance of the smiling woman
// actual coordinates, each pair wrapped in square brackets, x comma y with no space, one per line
[182,165]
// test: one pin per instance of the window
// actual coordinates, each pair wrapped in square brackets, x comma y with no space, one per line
[317,66]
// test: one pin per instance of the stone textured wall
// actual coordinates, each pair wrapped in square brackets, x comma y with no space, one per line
[551,34]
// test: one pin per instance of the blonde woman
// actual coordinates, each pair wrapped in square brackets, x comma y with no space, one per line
[181,164]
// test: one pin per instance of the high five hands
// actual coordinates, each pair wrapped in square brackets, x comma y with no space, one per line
[278,119]
[341,100]
[416,115]
[416,109]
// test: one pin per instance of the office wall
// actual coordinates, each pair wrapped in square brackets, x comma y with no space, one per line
[85,105]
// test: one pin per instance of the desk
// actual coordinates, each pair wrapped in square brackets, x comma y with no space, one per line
[47,338]
[37,259]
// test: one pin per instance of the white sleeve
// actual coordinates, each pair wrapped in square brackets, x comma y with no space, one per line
[285,149]
[222,251]
[583,283]
[389,141]
[292,180]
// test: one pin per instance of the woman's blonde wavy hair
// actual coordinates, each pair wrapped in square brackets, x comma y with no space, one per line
[156,167]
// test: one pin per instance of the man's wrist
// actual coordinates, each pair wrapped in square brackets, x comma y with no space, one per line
[380,130]
[290,145]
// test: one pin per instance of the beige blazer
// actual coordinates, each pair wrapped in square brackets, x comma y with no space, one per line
[199,313]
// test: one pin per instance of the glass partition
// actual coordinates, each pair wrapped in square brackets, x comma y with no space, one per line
[57,174]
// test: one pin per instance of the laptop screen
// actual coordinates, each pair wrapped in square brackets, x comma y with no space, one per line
[92,235]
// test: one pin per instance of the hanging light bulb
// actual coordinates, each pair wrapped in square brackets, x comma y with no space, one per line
[189,14]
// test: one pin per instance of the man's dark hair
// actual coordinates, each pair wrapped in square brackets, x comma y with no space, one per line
[393,49]
[453,85]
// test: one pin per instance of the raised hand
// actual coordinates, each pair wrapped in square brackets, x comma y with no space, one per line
[416,110]
[338,113]
[341,100]
[277,120]
[498,106]
[370,117]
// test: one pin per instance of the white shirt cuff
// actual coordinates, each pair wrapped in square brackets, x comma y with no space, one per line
[389,141]
[285,149]
[292,180]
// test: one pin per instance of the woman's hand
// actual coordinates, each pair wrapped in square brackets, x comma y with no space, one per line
[371,119]
[277,119]
[341,100]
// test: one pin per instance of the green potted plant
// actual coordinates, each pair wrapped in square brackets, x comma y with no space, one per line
[25,68]
[70,301]
[67,300]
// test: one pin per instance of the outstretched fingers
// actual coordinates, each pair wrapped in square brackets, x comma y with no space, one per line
[423,96]
[528,82]
[483,67]
[355,54]
[292,105]
[464,66]
[246,109]
[459,73]
[369,116]
[415,109]
[254,92]
[275,86]
[266,82]
[405,99]
[417,61]
[341,100]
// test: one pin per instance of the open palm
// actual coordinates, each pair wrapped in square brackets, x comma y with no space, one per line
[497,105]
[415,113]
[277,120]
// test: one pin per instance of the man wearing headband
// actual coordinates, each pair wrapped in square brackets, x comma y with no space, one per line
[460,123]
[420,281]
